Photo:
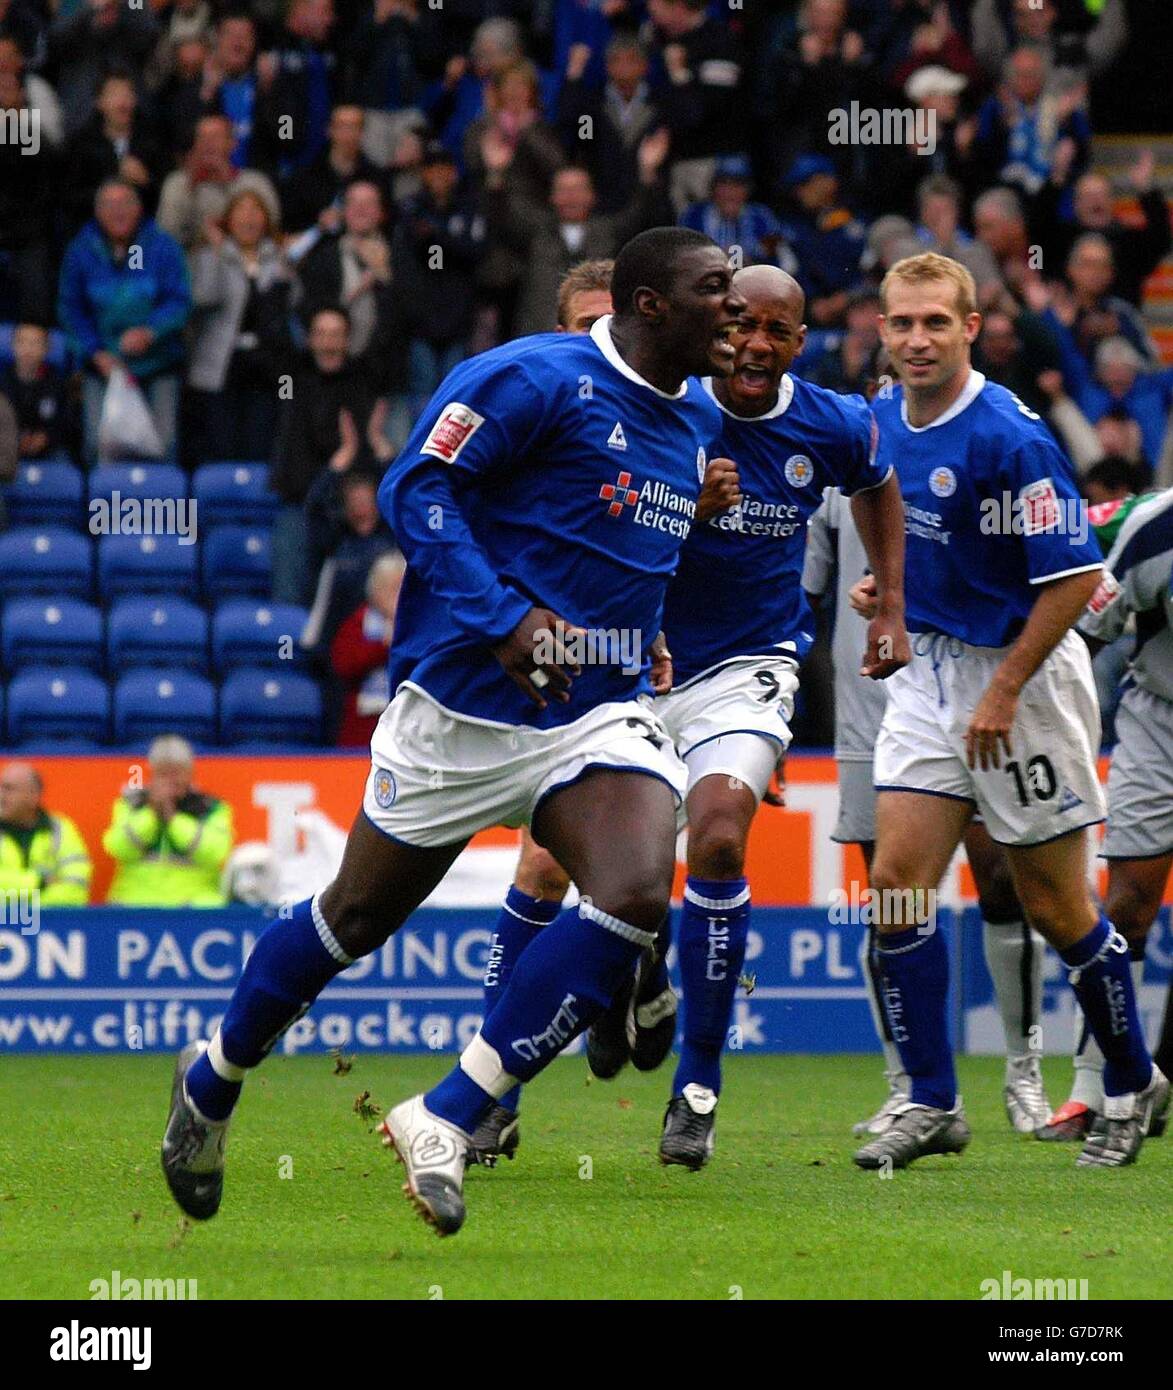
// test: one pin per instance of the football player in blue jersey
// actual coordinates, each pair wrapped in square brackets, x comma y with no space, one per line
[738,625]
[996,712]
[540,883]
[541,502]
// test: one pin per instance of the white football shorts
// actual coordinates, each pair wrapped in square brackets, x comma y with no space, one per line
[1046,787]
[437,777]
[733,721]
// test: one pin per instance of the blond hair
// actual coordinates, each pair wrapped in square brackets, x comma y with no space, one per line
[584,278]
[916,270]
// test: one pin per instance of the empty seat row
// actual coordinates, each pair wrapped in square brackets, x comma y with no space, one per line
[72,707]
[160,631]
[52,560]
[58,494]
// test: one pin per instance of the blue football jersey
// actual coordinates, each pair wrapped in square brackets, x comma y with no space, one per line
[542,472]
[991,511]
[738,591]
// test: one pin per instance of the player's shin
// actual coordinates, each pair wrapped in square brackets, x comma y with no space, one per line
[560,984]
[714,928]
[1088,1086]
[893,1067]
[1100,974]
[293,961]
[522,917]
[914,968]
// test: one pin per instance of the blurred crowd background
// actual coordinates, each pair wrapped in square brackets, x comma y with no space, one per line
[289,221]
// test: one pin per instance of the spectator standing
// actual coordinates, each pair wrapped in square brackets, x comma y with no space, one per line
[701,66]
[41,852]
[296,85]
[29,188]
[198,193]
[601,129]
[118,307]
[97,38]
[228,83]
[313,196]
[332,422]
[169,840]
[551,239]
[353,271]
[116,142]
[241,291]
[438,243]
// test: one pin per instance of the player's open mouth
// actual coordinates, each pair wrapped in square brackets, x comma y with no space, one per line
[752,376]
[918,364]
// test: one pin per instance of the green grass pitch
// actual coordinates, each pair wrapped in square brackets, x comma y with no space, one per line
[585,1211]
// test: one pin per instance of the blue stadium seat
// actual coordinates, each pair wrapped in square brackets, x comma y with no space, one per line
[234,494]
[145,565]
[236,560]
[46,560]
[160,631]
[63,705]
[45,494]
[247,633]
[166,701]
[137,480]
[51,632]
[263,706]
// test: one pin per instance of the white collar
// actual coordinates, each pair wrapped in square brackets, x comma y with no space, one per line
[601,334]
[780,406]
[969,393]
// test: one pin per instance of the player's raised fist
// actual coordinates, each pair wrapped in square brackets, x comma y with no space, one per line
[539,656]
[720,490]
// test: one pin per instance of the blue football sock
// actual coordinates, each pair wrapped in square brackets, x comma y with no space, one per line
[914,971]
[1102,979]
[561,983]
[522,917]
[714,927]
[292,962]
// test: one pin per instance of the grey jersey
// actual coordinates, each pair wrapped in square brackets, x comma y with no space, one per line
[1136,581]
[833,544]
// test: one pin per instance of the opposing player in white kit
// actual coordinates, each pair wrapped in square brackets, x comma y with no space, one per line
[1014,952]
[1138,576]
[996,712]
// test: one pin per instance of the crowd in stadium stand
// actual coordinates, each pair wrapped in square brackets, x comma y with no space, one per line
[289,221]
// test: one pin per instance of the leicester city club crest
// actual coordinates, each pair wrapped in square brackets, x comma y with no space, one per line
[385,788]
[799,470]
[701,464]
[942,482]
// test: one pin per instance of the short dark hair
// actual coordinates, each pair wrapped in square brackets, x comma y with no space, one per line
[648,261]
[1115,471]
